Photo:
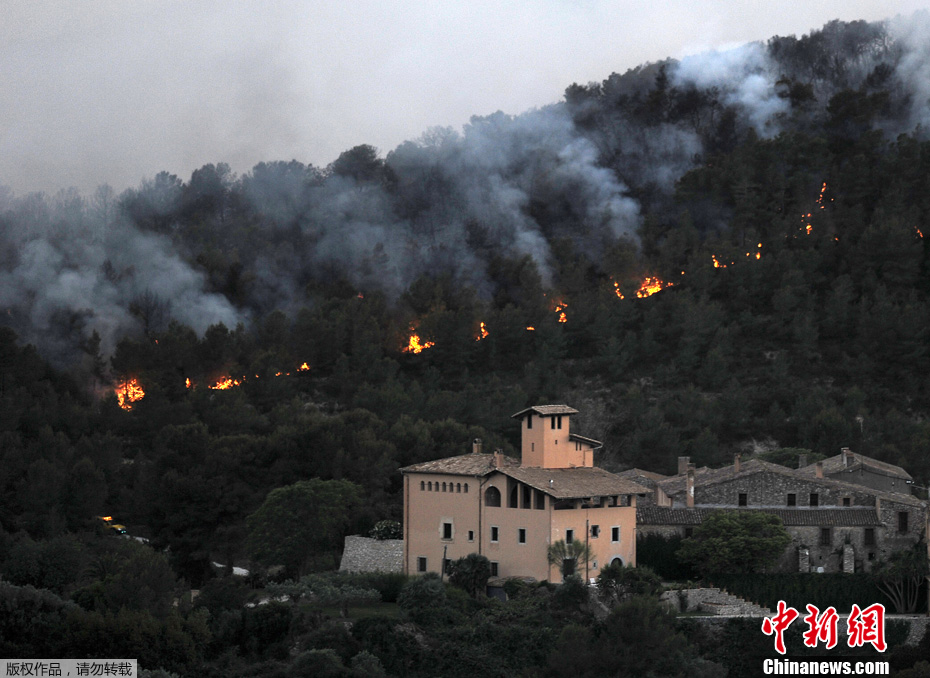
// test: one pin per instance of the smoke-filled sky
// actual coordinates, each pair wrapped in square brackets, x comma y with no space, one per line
[111,91]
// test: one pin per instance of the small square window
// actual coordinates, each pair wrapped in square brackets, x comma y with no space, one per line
[815,499]
[689,532]
[495,533]
[421,564]
[569,536]
[615,534]
[521,535]
[792,499]
[595,531]
[743,499]
[847,501]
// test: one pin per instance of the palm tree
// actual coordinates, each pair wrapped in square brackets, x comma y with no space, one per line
[568,556]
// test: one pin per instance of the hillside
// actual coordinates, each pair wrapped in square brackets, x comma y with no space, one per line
[703,256]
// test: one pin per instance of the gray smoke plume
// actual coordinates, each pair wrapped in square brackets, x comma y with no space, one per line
[71,268]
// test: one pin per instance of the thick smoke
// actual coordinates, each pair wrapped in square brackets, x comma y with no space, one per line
[579,172]
[71,269]
[745,77]
[448,201]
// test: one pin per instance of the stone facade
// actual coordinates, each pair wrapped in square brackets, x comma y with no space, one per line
[363,554]
[835,526]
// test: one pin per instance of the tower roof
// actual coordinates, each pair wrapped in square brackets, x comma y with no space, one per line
[546,410]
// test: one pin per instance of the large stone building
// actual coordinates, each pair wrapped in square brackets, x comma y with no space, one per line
[511,510]
[843,514]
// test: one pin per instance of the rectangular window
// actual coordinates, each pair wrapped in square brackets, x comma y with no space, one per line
[553,423]
[471,535]
[447,531]
[825,539]
[868,537]
[902,521]
[815,499]
[743,499]
[560,422]
[689,532]
[495,533]
[421,564]
[529,421]
[595,531]
[527,497]
[521,535]
[846,501]
[615,534]
[493,568]
[539,500]
[569,536]
[792,499]
[446,566]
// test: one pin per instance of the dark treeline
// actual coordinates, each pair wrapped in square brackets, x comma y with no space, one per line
[781,189]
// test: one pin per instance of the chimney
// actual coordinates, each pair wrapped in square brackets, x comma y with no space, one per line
[689,496]
[848,456]
[819,469]
[878,508]
[476,446]
[498,458]
[683,463]
[736,460]
[802,460]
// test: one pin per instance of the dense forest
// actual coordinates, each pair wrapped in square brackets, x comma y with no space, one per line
[716,254]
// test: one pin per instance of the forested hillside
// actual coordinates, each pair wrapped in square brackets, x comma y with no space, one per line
[699,255]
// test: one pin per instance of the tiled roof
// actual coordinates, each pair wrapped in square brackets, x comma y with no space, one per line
[835,465]
[645,478]
[676,485]
[799,517]
[463,465]
[546,410]
[574,483]
[581,439]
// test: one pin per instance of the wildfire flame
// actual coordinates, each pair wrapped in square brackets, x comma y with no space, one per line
[304,367]
[128,392]
[482,332]
[225,383]
[647,288]
[188,382]
[414,344]
[650,286]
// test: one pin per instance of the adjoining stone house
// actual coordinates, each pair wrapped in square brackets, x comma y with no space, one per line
[835,525]
[511,510]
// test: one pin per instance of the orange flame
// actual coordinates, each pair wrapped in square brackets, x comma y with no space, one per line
[650,286]
[530,328]
[717,263]
[188,382]
[225,383]
[482,332]
[414,345]
[128,392]
[304,367]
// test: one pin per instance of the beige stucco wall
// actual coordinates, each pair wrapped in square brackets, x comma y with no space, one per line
[426,511]
[546,447]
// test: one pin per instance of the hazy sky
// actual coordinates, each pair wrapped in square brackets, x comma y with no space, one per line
[112,91]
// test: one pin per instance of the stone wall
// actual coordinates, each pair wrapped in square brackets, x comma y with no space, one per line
[772,489]
[362,554]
